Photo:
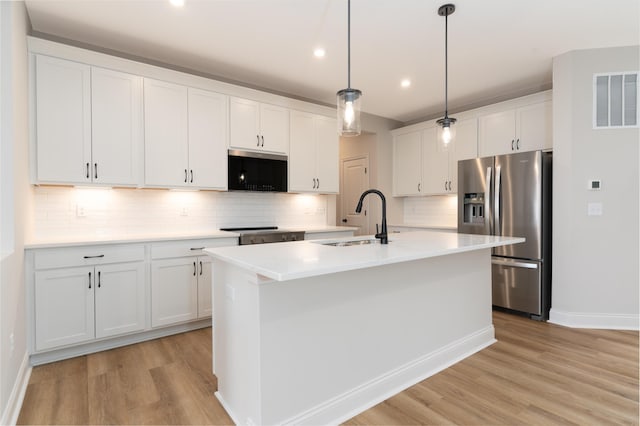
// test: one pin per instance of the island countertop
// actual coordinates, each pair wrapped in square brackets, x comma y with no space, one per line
[301,259]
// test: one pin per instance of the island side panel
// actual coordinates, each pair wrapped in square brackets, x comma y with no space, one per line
[334,345]
[236,341]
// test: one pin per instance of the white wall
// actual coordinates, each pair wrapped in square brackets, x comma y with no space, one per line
[595,258]
[143,212]
[16,198]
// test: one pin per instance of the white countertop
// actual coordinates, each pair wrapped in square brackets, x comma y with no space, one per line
[426,226]
[300,259]
[83,240]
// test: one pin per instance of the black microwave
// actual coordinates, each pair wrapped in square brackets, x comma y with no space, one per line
[257,171]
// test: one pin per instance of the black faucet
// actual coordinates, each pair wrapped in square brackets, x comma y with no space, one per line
[383,232]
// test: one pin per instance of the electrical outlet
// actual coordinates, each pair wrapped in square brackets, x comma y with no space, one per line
[184,212]
[80,210]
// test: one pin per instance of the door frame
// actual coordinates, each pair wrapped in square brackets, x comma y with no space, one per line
[340,197]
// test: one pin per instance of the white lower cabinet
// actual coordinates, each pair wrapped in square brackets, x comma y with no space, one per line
[204,287]
[174,291]
[64,307]
[75,305]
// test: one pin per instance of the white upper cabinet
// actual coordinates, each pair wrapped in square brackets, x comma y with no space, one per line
[313,155]
[525,128]
[207,139]
[185,136]
[407,164]
[165,140]
[116,127]
[435,162]
[88,124]
[258,127]
[63,121]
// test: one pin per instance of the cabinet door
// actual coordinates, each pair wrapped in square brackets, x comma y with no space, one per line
[64,307]
[466,147]
[207,139]
[534,127]
[117,127]
[435,162]
[63,121]
[303,152]
[274,128]
[205,284]
[120,298]
[407,164]
[328,155]
[244,124]
[497,133]
[165,141]
[174,291]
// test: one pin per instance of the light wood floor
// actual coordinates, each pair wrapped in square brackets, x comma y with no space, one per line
[537,373]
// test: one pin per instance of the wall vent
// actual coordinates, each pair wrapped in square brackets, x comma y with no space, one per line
[615,100]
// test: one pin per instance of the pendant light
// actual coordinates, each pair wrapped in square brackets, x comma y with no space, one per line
[349,99]
[448,132]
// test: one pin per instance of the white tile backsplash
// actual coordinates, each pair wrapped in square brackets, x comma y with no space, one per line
[130,212]
[441,210]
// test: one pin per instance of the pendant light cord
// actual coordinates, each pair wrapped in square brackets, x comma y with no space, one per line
[348,44]
[446,66]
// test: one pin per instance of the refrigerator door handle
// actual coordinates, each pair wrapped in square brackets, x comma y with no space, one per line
[496,206]
[487,200]
[514,264]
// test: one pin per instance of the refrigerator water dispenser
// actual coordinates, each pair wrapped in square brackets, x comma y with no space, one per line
[474,208]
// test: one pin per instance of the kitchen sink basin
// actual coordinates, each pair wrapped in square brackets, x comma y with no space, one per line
[350,242]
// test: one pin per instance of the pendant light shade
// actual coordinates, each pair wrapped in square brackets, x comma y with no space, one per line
[349,99]
[448,130]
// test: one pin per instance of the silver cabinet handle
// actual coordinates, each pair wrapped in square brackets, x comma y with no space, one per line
[185,175]
[99,284]
[201,268]
[95,170]
[191,171]
[518,144]
[87,170]
[194,269]
[258,137]
[89,279]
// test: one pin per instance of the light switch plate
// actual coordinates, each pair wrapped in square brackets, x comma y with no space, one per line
[594,209]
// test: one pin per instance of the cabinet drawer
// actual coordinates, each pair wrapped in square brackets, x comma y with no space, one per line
[169,249]
[88,255]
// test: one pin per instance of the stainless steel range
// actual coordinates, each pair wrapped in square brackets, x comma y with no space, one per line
[265,234]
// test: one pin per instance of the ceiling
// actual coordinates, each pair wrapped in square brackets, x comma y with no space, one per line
[498,49]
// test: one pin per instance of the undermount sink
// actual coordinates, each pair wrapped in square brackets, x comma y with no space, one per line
[350,242]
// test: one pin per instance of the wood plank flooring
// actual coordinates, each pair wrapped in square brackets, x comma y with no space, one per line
[537,373]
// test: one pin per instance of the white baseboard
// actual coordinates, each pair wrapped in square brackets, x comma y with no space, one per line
[354,402]
[12,411]
[595,320]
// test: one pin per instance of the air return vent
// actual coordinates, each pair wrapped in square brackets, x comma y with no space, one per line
[615,100]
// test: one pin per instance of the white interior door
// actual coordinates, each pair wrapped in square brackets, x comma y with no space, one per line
[355,180]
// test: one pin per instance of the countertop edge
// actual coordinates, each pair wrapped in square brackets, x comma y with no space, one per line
[130,240]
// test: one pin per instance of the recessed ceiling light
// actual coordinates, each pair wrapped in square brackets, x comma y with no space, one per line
[177,3]
[319,52]
[405,83]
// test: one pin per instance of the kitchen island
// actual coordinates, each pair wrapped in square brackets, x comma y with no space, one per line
[312,332]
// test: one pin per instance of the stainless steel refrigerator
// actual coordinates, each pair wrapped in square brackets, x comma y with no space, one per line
[510,195]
